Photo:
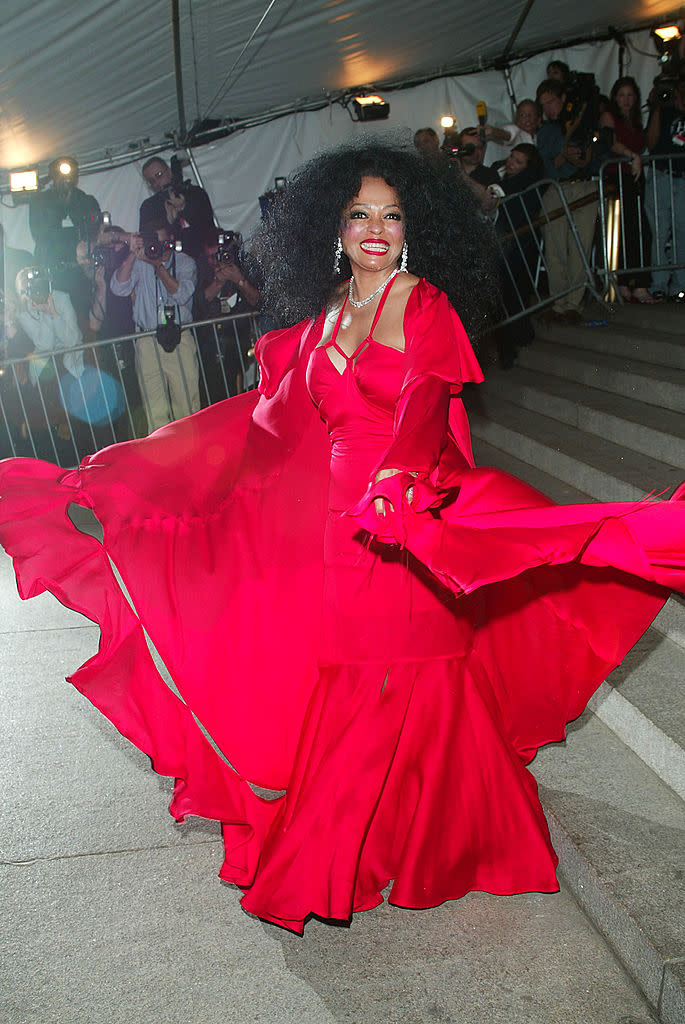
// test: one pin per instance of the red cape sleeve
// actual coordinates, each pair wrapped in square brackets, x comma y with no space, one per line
[432,437]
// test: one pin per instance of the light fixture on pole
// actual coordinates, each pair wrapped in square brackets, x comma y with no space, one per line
[24,181]
[370,108]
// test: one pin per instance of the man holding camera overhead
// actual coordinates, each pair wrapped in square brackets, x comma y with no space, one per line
[184,207]
[162,282]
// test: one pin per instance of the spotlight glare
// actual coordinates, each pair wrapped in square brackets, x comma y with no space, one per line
[667,32]
[370,108]
[447,121]
[24,181]
[364,101]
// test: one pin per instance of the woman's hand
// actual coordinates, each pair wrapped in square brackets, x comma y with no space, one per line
[383,474]
[636,166]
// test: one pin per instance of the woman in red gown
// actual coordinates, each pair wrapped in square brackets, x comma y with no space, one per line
[369,637]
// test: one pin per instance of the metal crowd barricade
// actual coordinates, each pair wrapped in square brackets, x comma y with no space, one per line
[643,223]
[47,413]
[527,241]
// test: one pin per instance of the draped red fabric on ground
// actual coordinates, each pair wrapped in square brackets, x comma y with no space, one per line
[394,676]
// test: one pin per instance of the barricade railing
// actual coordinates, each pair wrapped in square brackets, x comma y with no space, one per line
[643,224]
[49,413]
[536,230]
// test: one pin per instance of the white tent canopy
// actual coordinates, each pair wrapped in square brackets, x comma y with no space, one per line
[89,79]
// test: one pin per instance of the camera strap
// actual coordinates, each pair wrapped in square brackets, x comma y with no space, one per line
[172,271]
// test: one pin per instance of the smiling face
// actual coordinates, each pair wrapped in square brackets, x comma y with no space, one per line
[516,163]
[527,117]
[372,228]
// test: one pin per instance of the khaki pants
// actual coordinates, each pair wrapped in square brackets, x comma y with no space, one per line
[563,258]
[168,381]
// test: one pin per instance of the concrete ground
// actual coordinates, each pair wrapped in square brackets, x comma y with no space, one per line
[112,913]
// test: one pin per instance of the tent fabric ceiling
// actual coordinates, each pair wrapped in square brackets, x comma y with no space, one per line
[97,77]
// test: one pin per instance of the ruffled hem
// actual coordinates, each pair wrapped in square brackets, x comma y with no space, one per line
[404,774]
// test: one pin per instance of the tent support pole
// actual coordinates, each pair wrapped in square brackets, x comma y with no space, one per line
[517,28]
[175,25]
[510,87]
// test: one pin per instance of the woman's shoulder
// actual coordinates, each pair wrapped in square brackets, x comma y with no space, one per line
[425,296]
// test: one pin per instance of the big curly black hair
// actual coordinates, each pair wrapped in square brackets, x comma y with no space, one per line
[292,253]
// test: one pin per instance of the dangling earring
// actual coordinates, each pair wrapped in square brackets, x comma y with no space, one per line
[338,254]
[403,263]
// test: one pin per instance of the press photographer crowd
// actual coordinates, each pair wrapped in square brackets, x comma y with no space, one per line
[89,280]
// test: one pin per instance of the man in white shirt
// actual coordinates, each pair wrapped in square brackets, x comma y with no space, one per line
[38,389]
[524,128]
[162,282]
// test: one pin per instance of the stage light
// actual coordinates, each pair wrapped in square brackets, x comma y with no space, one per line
[24,181]
[64,170]
[65,166]
[447,121]
[666,33]
[370,108]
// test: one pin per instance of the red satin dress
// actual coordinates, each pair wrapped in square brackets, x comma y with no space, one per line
[390,678]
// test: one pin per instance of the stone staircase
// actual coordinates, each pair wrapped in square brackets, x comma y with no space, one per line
[597,413]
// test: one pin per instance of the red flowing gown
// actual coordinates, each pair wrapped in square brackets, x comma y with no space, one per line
[388,679]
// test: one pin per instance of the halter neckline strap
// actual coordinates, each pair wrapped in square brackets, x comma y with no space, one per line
[379,310]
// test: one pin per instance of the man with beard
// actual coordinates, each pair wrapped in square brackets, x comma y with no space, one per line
[184,207]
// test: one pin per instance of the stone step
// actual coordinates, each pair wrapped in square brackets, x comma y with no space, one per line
[619,832]
[623,339]
[671,620]
[643,703]
[605,471]
[563,493]
[663,387]
[666,317]
[659,433]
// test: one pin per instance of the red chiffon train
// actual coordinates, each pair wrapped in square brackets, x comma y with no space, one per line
[391,676]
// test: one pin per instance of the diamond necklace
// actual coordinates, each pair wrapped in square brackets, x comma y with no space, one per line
[365,302]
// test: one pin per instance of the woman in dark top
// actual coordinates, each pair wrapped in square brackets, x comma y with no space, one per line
[625,121]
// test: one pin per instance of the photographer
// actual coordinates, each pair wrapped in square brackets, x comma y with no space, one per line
[111,316]
[185,208]
[565,145]
[48,321]
[519,246]
[666,137]
[483,181]
[223,288]
[162,282]
[59,218]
